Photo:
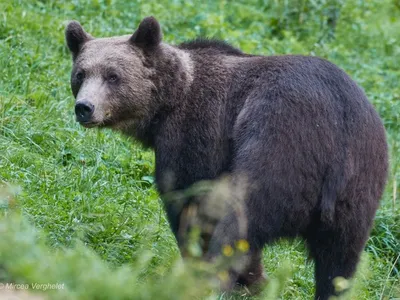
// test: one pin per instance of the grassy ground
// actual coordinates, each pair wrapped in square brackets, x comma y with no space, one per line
[78,206]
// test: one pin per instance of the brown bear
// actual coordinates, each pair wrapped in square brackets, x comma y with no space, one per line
[311,147]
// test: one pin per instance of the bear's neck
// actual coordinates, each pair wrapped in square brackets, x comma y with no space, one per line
[190,129]
[172,72]
[190,136]
[175,73]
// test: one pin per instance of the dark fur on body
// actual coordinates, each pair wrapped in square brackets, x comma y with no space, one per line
[298,128]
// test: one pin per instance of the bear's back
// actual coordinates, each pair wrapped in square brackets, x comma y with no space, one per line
[211,47]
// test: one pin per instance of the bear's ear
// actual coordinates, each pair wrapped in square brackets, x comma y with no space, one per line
[148,34]
[76,36]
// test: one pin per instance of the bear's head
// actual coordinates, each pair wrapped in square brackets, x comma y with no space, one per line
[113,78]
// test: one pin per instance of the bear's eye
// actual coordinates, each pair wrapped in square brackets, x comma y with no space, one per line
[112,77]
[80,76]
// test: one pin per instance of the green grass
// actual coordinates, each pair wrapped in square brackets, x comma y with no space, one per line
[84,211]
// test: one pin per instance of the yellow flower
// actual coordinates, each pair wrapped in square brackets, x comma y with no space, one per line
[227,250]
[223,275]
[242,245]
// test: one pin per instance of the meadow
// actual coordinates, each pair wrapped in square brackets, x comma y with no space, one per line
[78,206]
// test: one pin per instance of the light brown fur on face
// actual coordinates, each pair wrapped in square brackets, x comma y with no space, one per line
[133,99]
[100,58]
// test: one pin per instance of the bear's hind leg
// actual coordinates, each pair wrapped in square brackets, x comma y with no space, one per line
[336,253]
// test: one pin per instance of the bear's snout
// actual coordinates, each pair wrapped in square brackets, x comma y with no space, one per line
[84,111]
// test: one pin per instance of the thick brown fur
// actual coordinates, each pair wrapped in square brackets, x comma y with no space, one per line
[300,131]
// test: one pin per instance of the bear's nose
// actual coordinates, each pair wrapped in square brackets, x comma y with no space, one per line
[83,111]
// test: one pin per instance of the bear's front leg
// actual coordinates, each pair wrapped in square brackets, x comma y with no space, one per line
[253,277]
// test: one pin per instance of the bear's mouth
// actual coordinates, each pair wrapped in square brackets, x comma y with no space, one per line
[102,124]
[89,124]
[106,123]
[94,123]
